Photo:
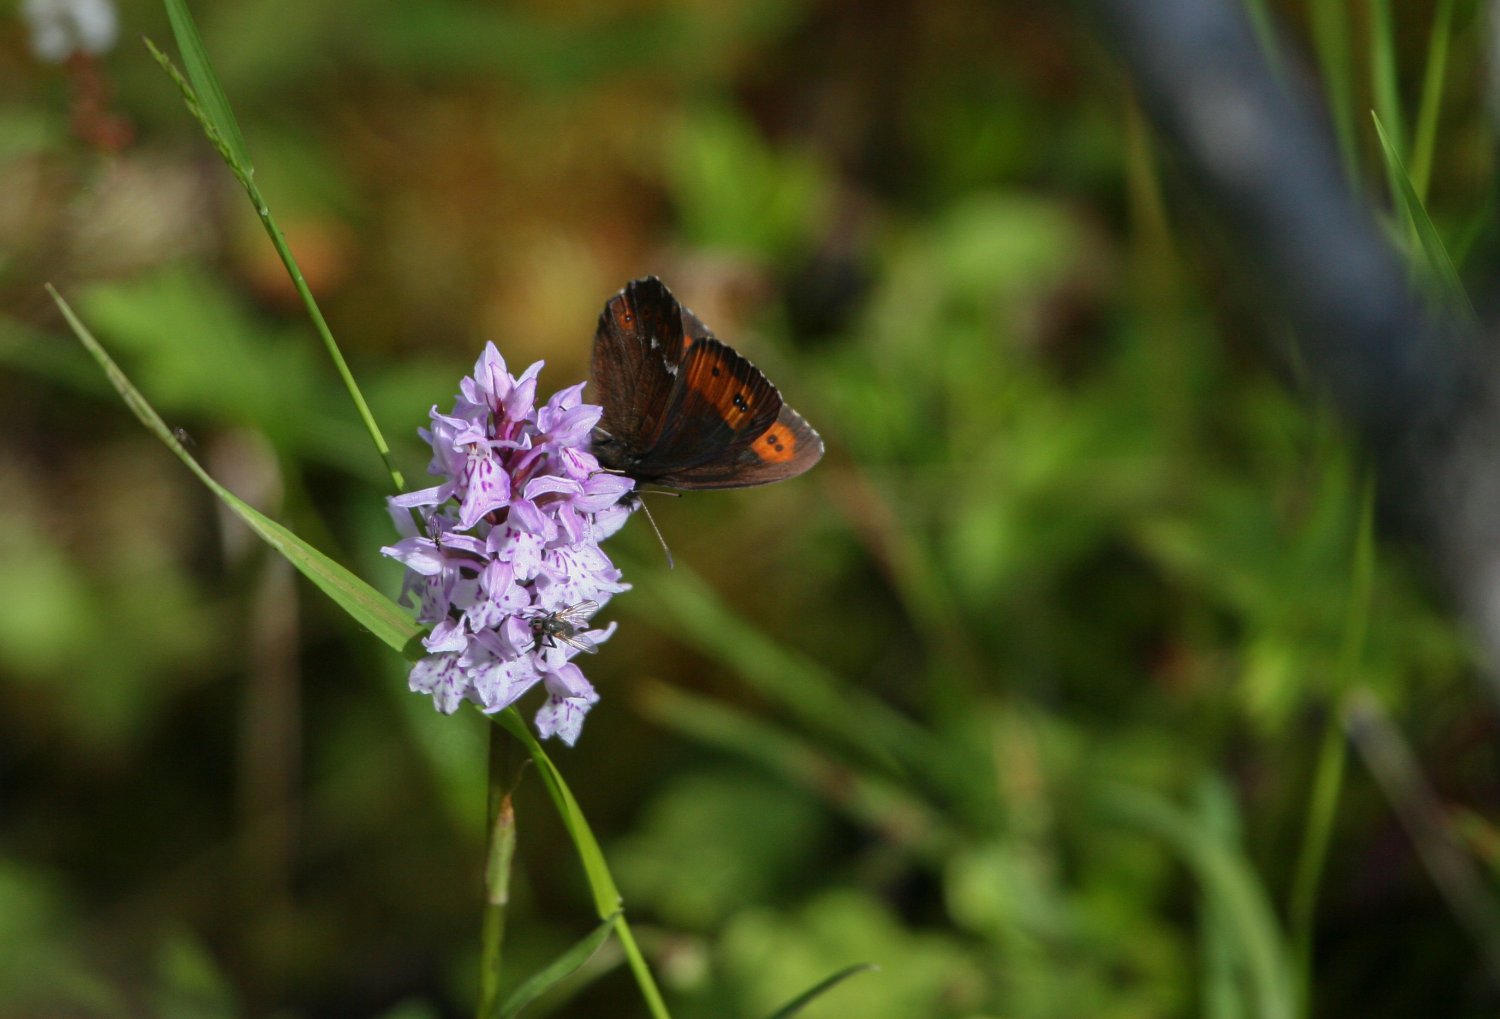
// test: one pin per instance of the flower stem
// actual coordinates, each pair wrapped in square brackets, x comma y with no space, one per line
[606,896]
[498,855]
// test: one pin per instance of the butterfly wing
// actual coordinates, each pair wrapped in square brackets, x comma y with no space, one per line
[683,409]
[728,427]
[786,449]
[638,347]
[693,329]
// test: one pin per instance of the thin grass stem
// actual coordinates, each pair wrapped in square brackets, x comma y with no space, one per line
[498,856]
[1328,779]
[1264,24]
[278,239]
[1425,141]
[1331,34]
[1385,85]
[210,107]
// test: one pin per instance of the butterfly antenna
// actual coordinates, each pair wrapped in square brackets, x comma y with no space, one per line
[647,510]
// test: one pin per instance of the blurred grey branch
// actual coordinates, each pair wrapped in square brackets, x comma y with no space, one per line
[1405,375]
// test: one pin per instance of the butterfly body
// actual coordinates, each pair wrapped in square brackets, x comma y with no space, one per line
[682,409]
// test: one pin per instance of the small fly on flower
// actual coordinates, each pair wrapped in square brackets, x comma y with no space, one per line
[564,625]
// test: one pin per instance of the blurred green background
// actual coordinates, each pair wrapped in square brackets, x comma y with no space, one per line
[1020,695]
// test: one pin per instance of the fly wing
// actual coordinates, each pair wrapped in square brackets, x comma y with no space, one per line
[578,642]
[578,615]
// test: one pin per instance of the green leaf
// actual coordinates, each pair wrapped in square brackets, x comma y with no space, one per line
[607,899]
[371,609]
[1226,876]
[802,1000]
[189,984]
[560,968]
[209,93]
[1439,265]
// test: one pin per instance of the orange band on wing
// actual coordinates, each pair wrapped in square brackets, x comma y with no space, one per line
[722,378]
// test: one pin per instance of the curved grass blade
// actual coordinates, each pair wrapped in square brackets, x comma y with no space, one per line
[607,899]
[1440,268]
[1225,876]
[563,966]
[1331,32]
[1398,773]
[865,797]
[1385,86]
[1425,141]
[859,721]
[371,609]
[802,1000]
[1223,995]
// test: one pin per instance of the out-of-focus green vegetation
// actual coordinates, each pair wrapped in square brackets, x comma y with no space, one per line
[1021,694]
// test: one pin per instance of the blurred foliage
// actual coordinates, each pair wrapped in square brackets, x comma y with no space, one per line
[1077,539]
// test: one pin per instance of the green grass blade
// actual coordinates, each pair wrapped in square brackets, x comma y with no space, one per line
[1439,267]
[606,895]
[1479,223]
[195,107]
[1398,772]
[559,969]
[367,606]
[822,701]
[822,987]
[1227,877]
[206,102]
[864,797]
[1331,34]
[1223,990]
[1385,84]
[1265,32]
[1328,778]
[1432,96]
[209,93]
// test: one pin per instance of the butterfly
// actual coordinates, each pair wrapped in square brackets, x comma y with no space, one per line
[682,409]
